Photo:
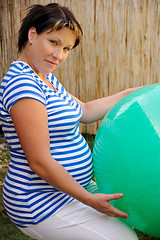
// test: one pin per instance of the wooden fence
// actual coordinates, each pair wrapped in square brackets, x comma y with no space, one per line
[120,46]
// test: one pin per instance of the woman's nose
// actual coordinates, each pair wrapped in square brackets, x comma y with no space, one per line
[58,53]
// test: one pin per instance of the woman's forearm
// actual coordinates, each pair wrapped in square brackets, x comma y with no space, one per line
[95,110]
[53,173]
[57,176]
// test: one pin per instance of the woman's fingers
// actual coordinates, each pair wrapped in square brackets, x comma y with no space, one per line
[101,202]
[114,196]
[114,212]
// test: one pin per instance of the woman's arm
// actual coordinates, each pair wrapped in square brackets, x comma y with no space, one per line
[96,109]
[31,123]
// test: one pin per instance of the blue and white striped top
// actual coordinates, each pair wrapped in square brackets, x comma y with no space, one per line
[28,199]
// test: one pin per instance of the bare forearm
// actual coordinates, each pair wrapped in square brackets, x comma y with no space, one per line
[54,174]
[58,177]
[96,109]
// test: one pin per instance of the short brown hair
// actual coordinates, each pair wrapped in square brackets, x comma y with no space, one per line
[51,16]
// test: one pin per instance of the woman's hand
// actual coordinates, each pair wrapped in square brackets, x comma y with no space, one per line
[129,90]
[100,202]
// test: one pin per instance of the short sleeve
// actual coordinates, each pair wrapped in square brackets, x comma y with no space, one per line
[19,87]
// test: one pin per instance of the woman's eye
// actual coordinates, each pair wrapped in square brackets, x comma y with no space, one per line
[53,42]
[66,49]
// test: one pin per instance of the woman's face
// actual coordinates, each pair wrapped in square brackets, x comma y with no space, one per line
[49,49]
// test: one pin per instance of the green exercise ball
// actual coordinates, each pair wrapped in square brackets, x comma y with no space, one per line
[126,157]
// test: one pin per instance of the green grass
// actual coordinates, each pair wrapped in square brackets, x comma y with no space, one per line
[8,231]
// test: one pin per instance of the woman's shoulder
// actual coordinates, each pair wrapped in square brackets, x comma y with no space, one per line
[19,73]
[19,67]
[20,83]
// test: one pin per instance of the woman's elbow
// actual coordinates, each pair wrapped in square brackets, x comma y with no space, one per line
[38,165]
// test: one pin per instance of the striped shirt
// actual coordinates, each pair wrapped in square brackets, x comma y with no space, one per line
[28,199]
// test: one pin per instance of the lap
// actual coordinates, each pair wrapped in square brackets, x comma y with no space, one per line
[80,222]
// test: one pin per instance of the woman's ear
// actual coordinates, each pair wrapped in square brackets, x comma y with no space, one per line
[32,33]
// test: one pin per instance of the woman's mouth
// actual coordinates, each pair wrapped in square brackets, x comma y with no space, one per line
[53,64]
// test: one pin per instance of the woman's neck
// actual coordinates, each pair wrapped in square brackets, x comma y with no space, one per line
[24,58]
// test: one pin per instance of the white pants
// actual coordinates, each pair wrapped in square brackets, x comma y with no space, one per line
[77,221]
